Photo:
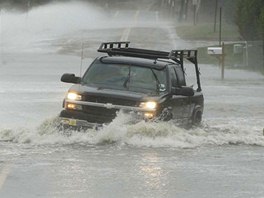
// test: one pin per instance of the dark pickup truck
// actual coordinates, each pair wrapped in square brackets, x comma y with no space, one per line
[147,82]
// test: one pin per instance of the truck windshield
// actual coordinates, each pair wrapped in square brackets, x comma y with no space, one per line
[126,77]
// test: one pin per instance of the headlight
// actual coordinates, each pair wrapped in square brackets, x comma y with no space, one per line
[151,105]
[74,96]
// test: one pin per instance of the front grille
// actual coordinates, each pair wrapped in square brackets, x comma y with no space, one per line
[94,115]
[102,114]
[104,99]
[99,114]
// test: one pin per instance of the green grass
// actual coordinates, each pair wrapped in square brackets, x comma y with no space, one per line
[205,31]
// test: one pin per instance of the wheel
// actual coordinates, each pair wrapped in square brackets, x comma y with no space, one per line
[197,117]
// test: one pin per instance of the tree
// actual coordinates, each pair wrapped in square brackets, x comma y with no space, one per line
[261,31]
[250,21]
[248,18]
[261,23]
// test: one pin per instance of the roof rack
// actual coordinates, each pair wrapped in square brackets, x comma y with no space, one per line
[122,49]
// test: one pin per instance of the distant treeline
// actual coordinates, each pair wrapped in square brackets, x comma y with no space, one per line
[22,4]
[248,15]
[250,19]
[25,2]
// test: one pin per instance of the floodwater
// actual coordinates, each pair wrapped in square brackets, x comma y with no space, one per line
[222,158]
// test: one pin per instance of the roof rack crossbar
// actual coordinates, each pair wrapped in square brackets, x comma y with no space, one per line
[104,47]
[134,52]
[187,54]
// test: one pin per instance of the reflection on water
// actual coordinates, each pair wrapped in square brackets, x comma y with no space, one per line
[151,171]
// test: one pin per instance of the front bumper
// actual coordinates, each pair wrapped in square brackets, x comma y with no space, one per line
[97,118]
[78,124]
[76,120]
[81,120]
[94,115]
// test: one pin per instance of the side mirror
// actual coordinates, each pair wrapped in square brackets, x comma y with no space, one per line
[70,78]
[183,91]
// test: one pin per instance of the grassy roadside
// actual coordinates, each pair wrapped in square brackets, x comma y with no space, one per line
[205,32]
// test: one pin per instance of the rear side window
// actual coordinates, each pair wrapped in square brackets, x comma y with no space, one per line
[180,76]
[173,77]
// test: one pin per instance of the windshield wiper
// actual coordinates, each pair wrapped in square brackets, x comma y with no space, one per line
[127,79]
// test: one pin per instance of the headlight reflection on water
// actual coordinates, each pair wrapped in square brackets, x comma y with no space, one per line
[153,174]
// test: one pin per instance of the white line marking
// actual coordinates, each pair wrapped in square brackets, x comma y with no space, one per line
[4,174]
[157,16]
[116,14]
[126,32]
[172,36]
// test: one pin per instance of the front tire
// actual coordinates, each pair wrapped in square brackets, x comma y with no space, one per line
[197,117]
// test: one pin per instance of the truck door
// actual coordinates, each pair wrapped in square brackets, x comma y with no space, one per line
[186,101]
[175,102]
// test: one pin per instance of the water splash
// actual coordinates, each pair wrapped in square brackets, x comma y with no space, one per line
[141,134]
[32,30]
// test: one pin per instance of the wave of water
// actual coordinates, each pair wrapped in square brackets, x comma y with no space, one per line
[141,134]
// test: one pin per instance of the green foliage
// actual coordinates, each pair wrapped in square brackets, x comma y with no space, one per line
[250,19]
[229,7]
[261,22]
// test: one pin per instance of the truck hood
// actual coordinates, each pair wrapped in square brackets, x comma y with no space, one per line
[112,93]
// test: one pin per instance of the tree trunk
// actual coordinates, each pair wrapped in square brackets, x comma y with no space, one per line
[181,10]
[263,54]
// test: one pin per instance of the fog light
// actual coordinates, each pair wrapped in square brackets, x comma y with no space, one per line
[74,106]
[148,115]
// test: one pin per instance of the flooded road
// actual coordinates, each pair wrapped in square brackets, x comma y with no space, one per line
[222,158]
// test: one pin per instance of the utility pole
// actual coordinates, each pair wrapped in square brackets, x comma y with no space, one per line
[223,62]
[195,2]
[215,16]
[220,22]
[220,42]
[220,26]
